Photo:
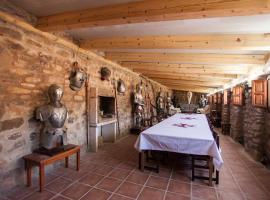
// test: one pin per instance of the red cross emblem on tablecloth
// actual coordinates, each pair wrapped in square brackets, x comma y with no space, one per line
[183,125]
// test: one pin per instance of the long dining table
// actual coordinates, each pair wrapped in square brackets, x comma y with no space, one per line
[180,133]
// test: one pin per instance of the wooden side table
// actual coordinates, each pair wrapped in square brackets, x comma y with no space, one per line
[40,160]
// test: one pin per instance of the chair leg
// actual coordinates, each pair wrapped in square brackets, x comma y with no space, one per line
[217,177]
[192,170]
[210,171]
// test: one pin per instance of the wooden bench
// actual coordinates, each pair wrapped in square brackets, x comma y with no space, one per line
[41,160]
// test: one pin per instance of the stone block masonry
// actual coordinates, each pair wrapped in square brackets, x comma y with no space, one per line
[250,127]
[31,60]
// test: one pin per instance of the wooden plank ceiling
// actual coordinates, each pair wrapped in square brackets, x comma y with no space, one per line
[203,61]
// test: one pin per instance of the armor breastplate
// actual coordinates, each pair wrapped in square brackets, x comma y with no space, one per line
[58,117]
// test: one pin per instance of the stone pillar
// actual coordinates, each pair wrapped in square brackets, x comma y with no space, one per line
[254,130]
[226,110]
[267,138]
[236,118]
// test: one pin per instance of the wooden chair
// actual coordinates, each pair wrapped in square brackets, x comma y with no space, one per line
[206,162]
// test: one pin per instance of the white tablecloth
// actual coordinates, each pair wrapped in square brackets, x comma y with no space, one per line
[181,133]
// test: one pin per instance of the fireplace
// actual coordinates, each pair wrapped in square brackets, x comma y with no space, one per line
[102,117]
[106,107]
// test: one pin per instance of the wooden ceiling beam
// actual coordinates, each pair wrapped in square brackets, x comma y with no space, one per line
[190,78]
[198,82]
[169,74]
[185,68]
[185,76]
[221,42]
[187,88]
[190,86]
[220,59]
[151,11]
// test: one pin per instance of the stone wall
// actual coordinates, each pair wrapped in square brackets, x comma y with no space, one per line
[32,60]
[181,97]
[250,127]
[225,117]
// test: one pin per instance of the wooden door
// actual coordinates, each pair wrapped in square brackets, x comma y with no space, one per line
[219,98]
[259,93]
[238,95]
[225,97]
[215,98]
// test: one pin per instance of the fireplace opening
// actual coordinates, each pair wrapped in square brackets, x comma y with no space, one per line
[107,106]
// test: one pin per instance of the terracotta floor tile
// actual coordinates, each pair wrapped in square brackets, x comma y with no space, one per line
[58,185]
[174,196]
[96,194]
[21,191]
[121,160]
[76,191]
[104,170]
[50,177]
[119,173]
[90,166]
[227,184]
[129,189]
[126,165]
[157,182]
[45,195]
[74,175]
[138,178]
[109,184]
[254,191]
[166,173]
[91,179]
[118,197]
[203,192]
[179,187]
[60,198]
[151,194]
[180,175]
[229,195]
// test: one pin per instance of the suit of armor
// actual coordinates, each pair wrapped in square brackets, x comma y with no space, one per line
[54,116]
[168,105]
[160,104]
[139,106]
[77,78]
[202,102]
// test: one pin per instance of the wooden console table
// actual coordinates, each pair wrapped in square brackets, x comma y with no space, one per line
[40,160]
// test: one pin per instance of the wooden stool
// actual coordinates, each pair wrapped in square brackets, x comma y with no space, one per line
[42,160]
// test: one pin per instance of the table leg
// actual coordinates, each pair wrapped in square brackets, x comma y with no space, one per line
[210,170]
[141,160]
[78,160]
[29,173]
[41,177]
[66,162]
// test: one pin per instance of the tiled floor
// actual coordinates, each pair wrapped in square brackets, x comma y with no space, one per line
[112,174]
